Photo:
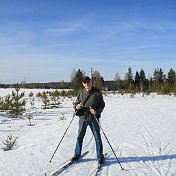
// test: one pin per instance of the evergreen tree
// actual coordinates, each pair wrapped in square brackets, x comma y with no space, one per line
[76,82]
[16,105]
[10,142]
[45,100]
[6,103]
[142,80]
[1,103]
[129,79]
[137,81]
[29,116]
[171,77]
[158,79]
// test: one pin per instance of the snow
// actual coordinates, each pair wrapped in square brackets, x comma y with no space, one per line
[141,130]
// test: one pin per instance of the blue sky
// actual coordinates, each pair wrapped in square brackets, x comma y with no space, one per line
[45,40]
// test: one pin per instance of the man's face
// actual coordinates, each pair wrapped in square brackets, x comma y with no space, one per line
[87,84]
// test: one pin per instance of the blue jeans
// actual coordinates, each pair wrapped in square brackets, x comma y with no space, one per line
[96,132]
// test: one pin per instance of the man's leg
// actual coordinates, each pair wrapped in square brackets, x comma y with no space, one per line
[96,132]
[81,134]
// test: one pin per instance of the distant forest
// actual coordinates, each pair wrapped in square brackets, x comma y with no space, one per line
[133,83]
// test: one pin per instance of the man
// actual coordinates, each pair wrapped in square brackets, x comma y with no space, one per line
[89,104]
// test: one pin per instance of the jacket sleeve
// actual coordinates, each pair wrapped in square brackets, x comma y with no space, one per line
[101,103]
[78,100]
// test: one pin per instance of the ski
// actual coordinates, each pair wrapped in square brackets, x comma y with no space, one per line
[68,165]
[99,167]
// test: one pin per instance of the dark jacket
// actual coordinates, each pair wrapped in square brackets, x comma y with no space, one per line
[95,101]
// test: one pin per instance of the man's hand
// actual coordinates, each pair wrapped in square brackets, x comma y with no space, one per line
[92,111]
[78,106]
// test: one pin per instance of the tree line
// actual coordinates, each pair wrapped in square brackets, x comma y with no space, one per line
[159,82]
[134,83]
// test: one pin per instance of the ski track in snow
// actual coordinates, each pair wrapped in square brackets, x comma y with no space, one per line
[140,129]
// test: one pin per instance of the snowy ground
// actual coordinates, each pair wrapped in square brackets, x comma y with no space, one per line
[141,131]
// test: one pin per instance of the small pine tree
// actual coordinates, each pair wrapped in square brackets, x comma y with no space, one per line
[32,103]
[6,103]
[10,142]
[55,103]
[1,103]
[17,107]
[29,116]
[45,100]
[31,94]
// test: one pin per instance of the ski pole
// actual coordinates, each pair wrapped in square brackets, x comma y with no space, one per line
[108,142]
[62,137]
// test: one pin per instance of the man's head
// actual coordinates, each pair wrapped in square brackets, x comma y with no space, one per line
[87,83]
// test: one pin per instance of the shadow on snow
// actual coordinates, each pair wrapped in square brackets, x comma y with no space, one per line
[111,161]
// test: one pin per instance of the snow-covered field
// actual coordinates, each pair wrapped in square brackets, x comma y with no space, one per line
[141,131]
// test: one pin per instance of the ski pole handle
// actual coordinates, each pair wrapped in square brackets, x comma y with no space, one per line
[92,110]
